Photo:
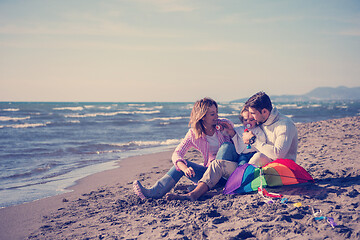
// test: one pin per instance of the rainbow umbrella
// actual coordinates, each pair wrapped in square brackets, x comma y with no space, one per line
[247,178]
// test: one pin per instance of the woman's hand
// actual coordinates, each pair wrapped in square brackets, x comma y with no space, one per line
[189,172]
[228,127]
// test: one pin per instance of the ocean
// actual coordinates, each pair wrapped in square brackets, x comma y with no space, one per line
[47,146]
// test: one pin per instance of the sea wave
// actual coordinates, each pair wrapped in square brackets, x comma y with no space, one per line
[26,125]
[342,107]
[136,104]
[148,143]
[228,114]
[69,108]
[289,106]
[165,119]
[150,108]
[109,114]
[236,106]
[11,109]
[105,107]
[5,119]
[99,107]
[187,107]
[105,148]
[73,121]
[95,114]
[31,172]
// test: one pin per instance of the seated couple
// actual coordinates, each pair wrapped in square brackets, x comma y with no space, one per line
[270,134]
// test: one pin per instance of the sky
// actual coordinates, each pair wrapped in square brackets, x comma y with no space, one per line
[175,50]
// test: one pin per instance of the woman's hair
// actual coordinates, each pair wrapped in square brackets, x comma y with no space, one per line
[244,109]
[259,101]
[198,112]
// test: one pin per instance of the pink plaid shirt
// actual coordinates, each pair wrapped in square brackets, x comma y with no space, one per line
[200,144]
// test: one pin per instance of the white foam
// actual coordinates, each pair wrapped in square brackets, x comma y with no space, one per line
[166,119]
[291,106]
[70,108]
[228,114]
[106,108]
[95,114]
[89,106]
[148,143]
[135,105]
[74,121]
[342,107]
[4,118]
[108,114]
[28,125]
[187,107]
[99,107]
[11,110]
[236,106]
[150,108]
[147,112]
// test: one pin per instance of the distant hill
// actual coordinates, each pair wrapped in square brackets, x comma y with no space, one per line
[318,94]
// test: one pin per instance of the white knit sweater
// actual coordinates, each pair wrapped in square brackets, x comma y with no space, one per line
[281,137]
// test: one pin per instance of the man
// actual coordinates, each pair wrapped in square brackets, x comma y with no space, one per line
[281,142]
[281,133]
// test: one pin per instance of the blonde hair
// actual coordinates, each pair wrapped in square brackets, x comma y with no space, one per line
[198,112]
[244,109]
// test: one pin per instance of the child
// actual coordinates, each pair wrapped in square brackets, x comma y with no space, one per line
[248,122]
[239,151]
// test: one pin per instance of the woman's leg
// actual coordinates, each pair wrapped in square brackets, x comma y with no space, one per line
[161,187]
[167,182]
[199,171]
[215,172]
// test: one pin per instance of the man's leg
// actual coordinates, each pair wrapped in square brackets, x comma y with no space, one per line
[259,159]
[228,152]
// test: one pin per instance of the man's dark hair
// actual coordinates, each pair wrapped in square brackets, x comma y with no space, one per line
[259,101]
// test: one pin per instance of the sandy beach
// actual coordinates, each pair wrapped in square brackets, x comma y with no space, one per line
[103,205]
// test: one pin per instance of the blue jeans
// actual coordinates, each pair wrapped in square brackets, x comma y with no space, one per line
[199,172]
[198,169]
[228,152]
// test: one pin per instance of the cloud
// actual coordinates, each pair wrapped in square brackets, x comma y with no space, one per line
[171,5]
[103,28]
[277,19]
[350,32]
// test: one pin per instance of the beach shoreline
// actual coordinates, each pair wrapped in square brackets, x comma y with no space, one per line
[103,206]
[18,221]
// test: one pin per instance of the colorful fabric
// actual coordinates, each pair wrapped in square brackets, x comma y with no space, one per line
[247,178]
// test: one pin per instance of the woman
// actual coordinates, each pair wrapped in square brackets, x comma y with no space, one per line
[228,158]
[204,137]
